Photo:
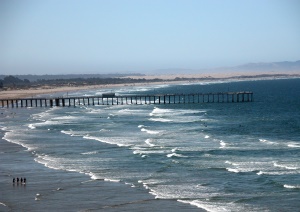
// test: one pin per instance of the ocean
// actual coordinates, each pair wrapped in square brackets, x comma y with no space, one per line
[211,156]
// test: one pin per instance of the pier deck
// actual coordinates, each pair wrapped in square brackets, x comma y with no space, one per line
[220,97]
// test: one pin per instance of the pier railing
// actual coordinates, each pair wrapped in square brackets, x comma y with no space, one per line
[221,97]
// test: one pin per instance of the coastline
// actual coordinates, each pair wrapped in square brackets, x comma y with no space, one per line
[58,185]
[27,93]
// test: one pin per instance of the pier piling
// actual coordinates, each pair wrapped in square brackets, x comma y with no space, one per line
[221,97]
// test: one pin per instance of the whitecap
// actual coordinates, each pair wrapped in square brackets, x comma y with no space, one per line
[266,141]
[174,150]
[150,131]
[291,186]
[145,151]
[70,132]
[148,141]
[285,166]
[276,172]
[218,206]
[116,141]
[176,155]
[157,111]
[260,173]
[89,153]
[31,126]
[223,144]
[94,176]
[1,203]
[294,145]
[160,120]
[112,180]
[232,170]
[232,163]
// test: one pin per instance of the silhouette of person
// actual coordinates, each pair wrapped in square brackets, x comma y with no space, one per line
[17,180]
[13,180]
[21,180]
[24,180]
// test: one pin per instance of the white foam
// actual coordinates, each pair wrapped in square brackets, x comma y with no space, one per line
[1,203]
[31,126]
[260,173]
[177,191]
[294,145]
[65,118]
[89,153]
[267,141]
[157,111]
[207,136]
[150,131]
[171,112]
[229,162]
[116,141]
[49,162]
[160,120]
[46,123]
[232,170]
[3,128]
[143,152]
[250,166]
[149,142]
[276,172]
[176,155]
[223,144]
[174,150]
[7,137]
[285,166]
[218,206]
[94,176]
[291,186]
[70,132]
[112,180]
[127,111]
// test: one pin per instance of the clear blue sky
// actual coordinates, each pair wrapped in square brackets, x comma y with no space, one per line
[110,36]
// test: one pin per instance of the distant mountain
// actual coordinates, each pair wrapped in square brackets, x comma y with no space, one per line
[285,66]
[269,67]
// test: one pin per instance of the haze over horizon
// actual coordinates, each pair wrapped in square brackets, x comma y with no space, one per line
[85,37]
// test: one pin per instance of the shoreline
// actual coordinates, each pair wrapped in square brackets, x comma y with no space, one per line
[62,190]
[27,93]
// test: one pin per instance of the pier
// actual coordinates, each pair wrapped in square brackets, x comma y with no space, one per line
[221,97]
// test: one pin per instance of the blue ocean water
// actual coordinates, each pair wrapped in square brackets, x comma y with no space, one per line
[216,156]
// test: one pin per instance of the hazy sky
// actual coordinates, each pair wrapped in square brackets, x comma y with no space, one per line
[110,36]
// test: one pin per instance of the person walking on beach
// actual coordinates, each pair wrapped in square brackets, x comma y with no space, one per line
[17,180]
[24,179]
[21,180]
[13,180]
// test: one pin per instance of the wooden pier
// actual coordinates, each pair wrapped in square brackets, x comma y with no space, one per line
[222,97]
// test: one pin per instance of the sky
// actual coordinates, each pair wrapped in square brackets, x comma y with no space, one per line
[139,36]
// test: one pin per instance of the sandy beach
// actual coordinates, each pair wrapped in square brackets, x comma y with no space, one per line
[13,94]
